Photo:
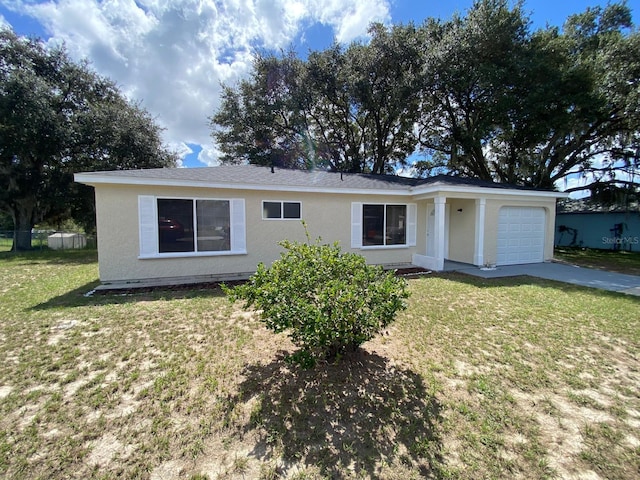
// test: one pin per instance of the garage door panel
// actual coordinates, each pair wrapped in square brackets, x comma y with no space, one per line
[520,235]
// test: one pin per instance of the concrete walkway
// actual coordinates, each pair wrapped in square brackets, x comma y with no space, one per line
[586,277]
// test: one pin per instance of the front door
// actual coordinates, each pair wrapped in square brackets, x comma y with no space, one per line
[431,230]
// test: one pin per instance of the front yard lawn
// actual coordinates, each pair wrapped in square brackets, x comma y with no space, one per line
[513,378]
[620,261]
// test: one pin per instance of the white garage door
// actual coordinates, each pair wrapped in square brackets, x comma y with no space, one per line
[520,235]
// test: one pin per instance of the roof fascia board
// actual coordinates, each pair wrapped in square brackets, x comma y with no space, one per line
[423,192]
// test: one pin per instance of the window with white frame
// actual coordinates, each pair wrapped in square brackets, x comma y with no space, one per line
[383,225]
[272,210]
[190,226]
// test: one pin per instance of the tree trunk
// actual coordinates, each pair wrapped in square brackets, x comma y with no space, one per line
[23,221]
[21,240]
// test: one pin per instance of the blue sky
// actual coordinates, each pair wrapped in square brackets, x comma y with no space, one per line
[172,55]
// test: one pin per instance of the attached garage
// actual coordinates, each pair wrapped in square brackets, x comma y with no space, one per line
[521,235]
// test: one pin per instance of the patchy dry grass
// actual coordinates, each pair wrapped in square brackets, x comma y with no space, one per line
[533,375]
[477,379]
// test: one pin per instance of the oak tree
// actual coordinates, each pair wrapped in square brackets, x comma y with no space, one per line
[58,117]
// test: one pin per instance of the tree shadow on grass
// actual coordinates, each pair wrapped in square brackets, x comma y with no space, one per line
[357,415]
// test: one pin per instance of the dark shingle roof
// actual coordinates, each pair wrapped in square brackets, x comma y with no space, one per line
[263,176]
[252,175]
[465,181]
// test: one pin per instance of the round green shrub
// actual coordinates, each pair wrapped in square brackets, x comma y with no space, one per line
[329,302]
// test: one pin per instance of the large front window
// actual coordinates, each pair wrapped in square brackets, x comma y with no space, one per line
[384,224]
[187,225]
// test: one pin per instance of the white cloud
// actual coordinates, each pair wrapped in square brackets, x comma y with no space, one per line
[352,25]
[348,18]
[209,155]
[172,55]
[182,149]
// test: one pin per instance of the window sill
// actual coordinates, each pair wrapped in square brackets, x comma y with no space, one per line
[384,247]
[191,254]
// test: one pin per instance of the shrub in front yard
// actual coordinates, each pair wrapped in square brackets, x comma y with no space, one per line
[328,301]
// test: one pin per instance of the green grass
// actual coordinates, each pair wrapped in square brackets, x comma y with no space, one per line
[38,241]
[476,379]
[5,243]
[614,261]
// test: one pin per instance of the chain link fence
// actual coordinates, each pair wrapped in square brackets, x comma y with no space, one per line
[48,239]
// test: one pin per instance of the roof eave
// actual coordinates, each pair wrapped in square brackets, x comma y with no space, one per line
[433,190]
[425,191]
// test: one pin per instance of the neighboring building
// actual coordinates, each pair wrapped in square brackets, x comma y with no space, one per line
[220,222]
[66,241]
[580,223]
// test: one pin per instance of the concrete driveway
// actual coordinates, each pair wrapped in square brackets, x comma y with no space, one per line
[586,277]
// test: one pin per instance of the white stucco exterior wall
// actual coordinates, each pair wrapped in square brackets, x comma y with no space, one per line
[327,215]
[464,227]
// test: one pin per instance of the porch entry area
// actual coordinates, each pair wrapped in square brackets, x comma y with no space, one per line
[458,229]
[454,231]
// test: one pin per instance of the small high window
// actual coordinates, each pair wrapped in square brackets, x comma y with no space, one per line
[281,210]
